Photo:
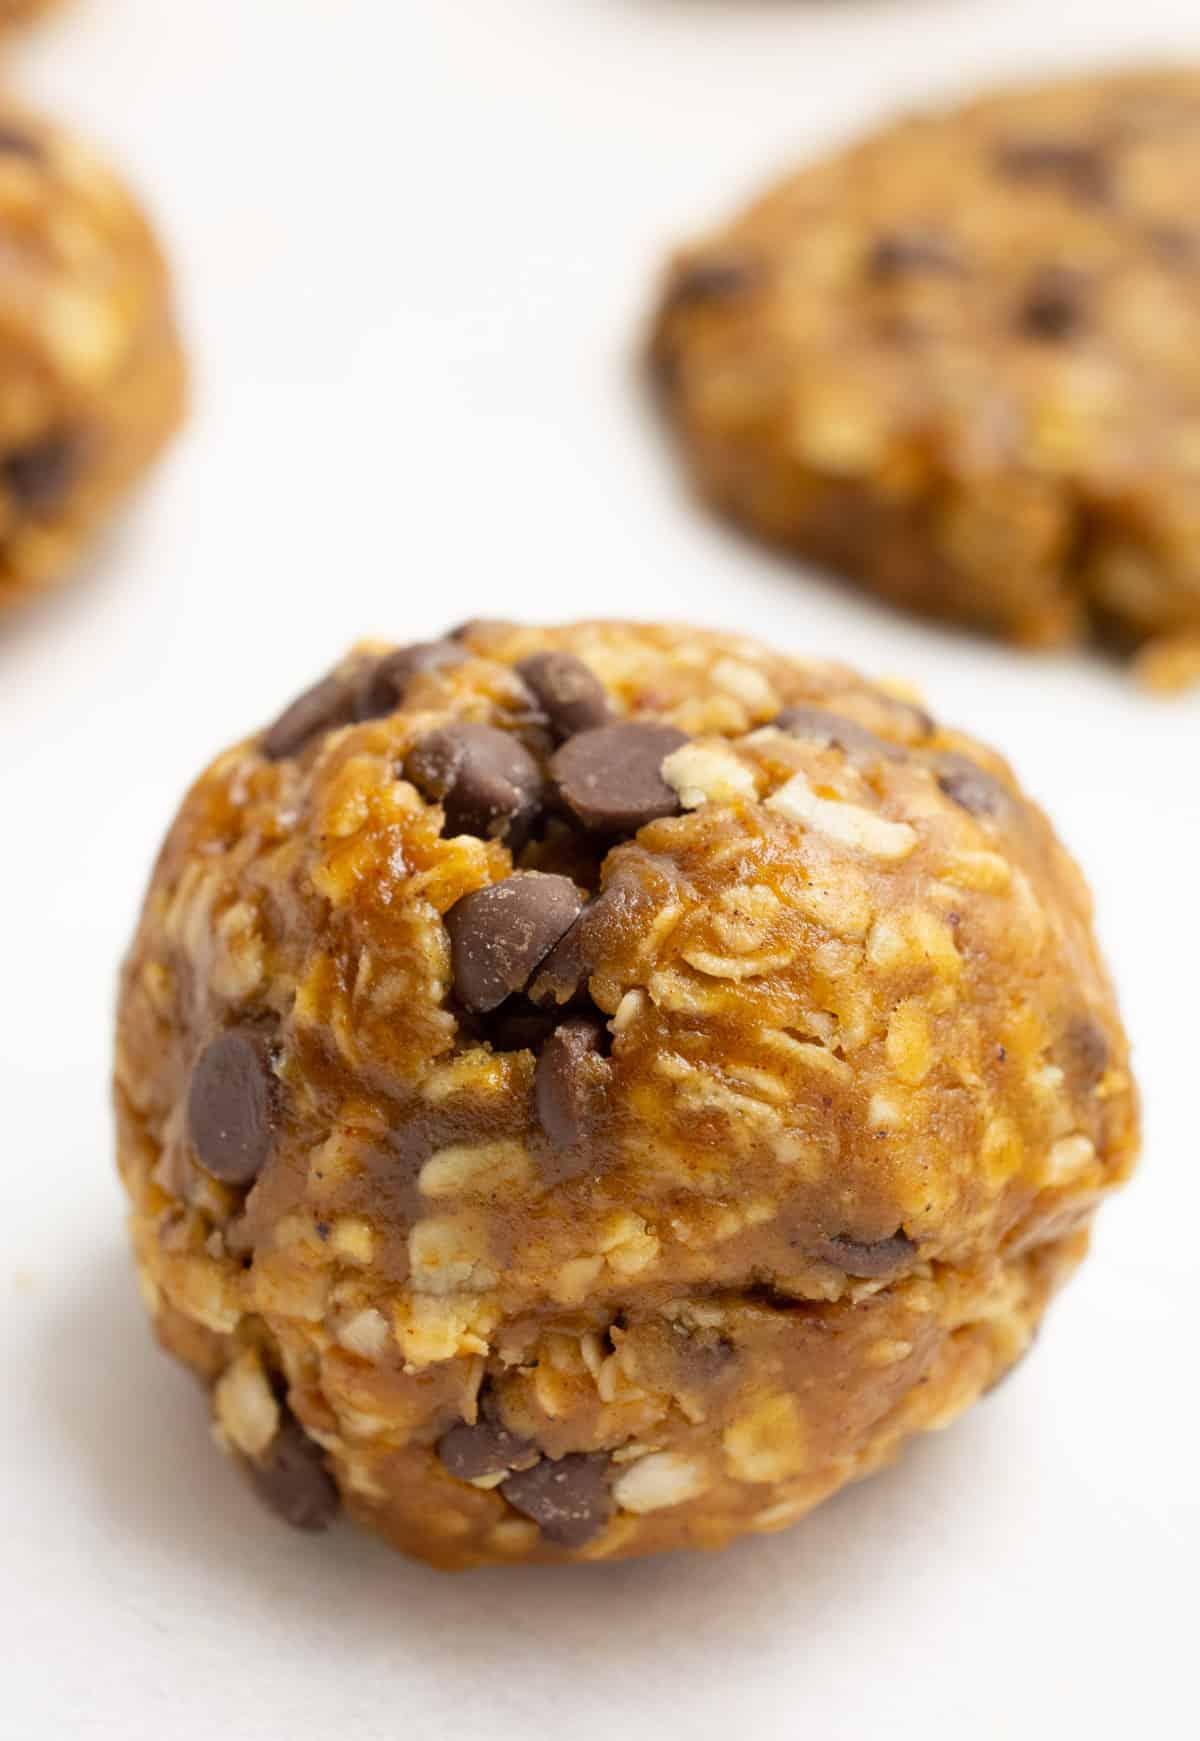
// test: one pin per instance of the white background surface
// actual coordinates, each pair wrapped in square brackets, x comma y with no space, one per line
[415,240]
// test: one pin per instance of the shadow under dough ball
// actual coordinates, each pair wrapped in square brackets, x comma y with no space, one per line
[959,361]
[596,1090]
[92,378]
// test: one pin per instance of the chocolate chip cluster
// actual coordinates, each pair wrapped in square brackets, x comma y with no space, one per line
[595,1090]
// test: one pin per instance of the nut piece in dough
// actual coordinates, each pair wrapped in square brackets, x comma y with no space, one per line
[631,1179]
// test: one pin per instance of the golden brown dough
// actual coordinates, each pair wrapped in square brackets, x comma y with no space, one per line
[91,369]
[960,362]
[20,11]
[595,1090]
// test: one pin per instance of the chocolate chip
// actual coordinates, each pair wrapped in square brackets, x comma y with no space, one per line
[41,474]
[232,1106]
[480,626]
[486,1448]
[905,253]
[1079,168]
[880,1257]
[615,909]
[833,731]
[714,280]
[666,363]
[486,780]
[570,694]
[1176,243]
[566,1086]
[568,1499]
[566,967]
[916,722]
[499,935]
[972,787]
[611,777]
[1054,305]
[292,1478]
[704,1356]
[1087,1049]
[384,690]
[327,704]
[16,142]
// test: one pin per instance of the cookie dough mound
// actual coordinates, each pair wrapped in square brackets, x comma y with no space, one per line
[20,11]
[91,372]
[595,1090]
[960,361]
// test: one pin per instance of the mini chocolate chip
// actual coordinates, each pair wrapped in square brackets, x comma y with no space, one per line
[666,364]
[566,967]
[916,721]
[704,1355]
[1054,305]
[485,779]
[569,1074]
[1087,1048]
[923,722]
[479,626]
[487,1448]
[384,690]
[327,704]
[231,1106]
[292,1478]
[570,694]
[16,142]
[1079,168]
[1176,243]
[833,731]
[972,787]
[905,253]
[880,1257]
[568,1499]
[41,474]
[570,963]
[714,280]
[499,935]
[611,777]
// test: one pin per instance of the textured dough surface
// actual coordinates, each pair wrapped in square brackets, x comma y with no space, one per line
[774,1162]
[91,368]
[960,361]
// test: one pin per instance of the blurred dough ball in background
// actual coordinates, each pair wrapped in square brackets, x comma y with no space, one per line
[18,11]
[92,375]
[958,361]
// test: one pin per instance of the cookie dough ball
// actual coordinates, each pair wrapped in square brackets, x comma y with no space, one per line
[20,11]
[960,361]
[91,372]
[595,1090]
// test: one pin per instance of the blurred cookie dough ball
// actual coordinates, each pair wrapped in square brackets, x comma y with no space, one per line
[596,1090]
[959,361]
[92,379]
[19,11]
